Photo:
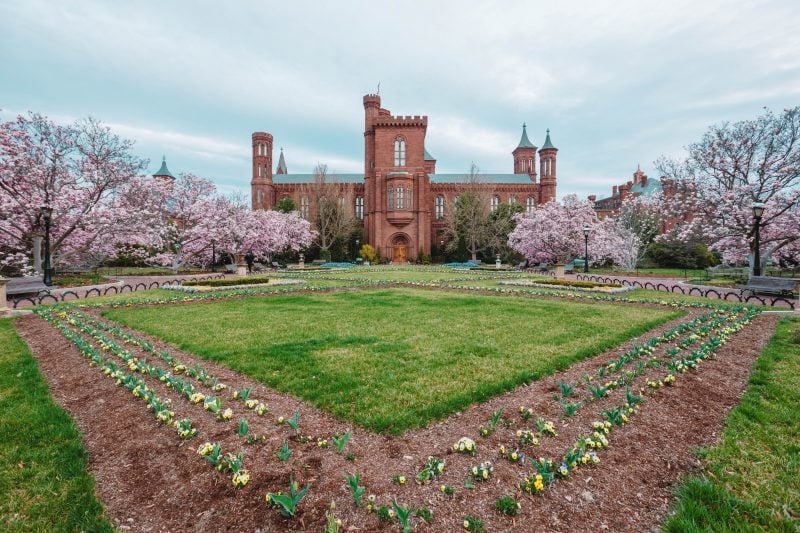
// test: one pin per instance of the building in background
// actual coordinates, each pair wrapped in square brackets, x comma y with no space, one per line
[400,199]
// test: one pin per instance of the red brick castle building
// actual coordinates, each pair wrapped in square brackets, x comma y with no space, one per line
[400,199]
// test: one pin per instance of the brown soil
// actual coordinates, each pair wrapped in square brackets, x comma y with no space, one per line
[150,480]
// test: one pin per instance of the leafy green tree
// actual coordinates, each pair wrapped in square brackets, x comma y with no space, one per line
[285,205]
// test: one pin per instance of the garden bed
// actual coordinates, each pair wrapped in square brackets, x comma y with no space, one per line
[230,284]
[568,284]
[149,479]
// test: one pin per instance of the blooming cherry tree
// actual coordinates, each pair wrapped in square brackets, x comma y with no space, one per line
[81,170]
[729,169]
[553,232]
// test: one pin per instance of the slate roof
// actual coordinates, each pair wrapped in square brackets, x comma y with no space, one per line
[547,144]
[486,178]
[524,142]
[164,171]
[280,179]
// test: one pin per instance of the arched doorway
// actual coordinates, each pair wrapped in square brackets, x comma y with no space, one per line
[399,246]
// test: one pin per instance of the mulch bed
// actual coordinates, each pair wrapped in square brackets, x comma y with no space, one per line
[150,480]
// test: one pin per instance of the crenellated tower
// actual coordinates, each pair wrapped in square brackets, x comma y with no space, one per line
[525,156]
[262,190]
[547,163]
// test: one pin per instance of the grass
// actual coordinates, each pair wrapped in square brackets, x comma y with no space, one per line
[152,271]
[752,479]
[390,360]
[44,482]
[399,274]
[666,272]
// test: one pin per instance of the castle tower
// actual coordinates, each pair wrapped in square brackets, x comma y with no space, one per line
[396,183]
[525,156]
[262,190]
[547,163]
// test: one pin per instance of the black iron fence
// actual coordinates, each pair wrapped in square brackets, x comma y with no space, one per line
[71,295]
[728,295]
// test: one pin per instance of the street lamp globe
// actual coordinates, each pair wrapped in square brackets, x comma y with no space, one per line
[758,209]
[586,230]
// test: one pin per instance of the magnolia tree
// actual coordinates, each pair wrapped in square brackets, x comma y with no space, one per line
[732,167]
[196,220]
[81,170]
[553,233]
[639,222]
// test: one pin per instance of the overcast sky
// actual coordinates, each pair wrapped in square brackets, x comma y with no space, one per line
[618,83]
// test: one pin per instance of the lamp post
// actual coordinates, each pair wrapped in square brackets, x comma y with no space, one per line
[441,247]
[586,230]
[213,255]
[358,241]
[758,211]
[47,214]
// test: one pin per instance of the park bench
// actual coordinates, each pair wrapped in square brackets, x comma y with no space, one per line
[277,266]
[770,285]
[569,268]
[541,267]
[522,265]
[26,285]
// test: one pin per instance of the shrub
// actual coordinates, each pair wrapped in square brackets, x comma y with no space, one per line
[228,282]
[369,253]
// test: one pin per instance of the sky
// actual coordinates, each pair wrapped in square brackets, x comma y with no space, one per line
[618,83]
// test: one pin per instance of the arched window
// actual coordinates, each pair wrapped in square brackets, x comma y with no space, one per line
[512,200]
[529,204]
[438,205]
[304,207]
[360,207]
[259,171]
[399,152]
[495,203]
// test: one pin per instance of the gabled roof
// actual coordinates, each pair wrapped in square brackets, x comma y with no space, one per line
[524,142]
[164,171]
[280,179]
[547,144]
[309,178]
[482,178]
[428,157]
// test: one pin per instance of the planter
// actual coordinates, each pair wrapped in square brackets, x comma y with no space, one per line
[558,268]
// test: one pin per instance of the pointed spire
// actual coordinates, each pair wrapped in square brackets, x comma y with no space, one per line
[524,142]
[547,143]
[163,171]
[281,164]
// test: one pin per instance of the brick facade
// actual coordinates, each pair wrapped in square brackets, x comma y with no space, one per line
[402,199]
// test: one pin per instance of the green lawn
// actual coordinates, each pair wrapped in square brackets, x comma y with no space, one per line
[391,360]
[752,480]
[44,483]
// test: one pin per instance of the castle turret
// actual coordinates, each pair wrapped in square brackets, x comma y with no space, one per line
[525,156]
[547,163]
[262,190]
[281,165]
[163,173]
